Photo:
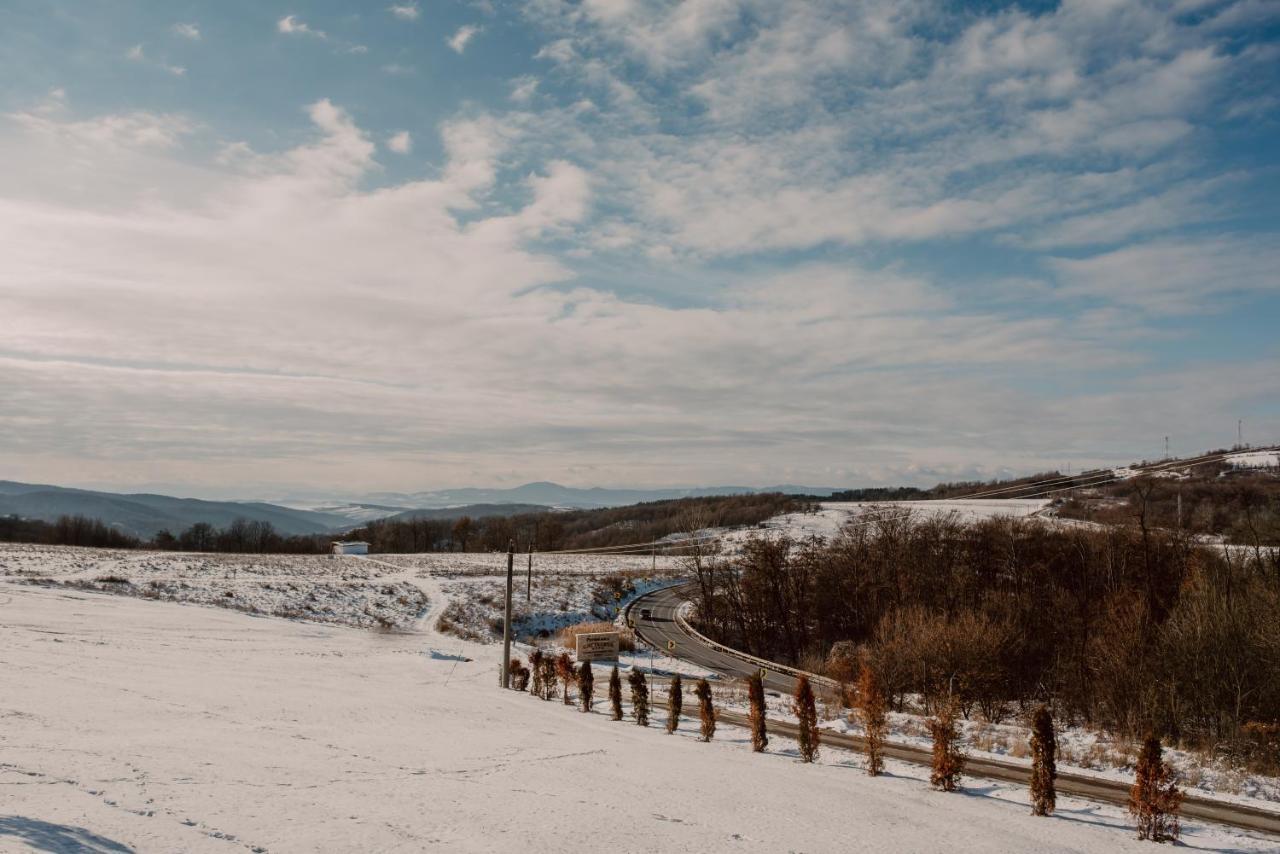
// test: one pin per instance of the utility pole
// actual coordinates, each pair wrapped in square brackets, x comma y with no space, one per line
[1166,447]
[1239,432]
[506,621]
[1179,506]
[528,582]
[655,557]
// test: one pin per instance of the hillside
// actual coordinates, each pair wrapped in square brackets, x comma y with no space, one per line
[144,515]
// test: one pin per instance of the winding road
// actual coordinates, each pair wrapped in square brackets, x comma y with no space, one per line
[664,631]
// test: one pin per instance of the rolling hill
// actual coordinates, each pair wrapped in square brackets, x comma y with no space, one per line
[143,515]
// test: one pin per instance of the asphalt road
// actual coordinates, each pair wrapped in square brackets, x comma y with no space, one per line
[663,632]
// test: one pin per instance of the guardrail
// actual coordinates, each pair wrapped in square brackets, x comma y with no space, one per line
[683,622]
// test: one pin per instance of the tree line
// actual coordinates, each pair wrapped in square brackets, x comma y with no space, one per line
[1241,506]
[1131,628]
[546,531]
[576,529]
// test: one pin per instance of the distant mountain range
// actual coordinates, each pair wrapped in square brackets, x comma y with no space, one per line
[145,514]
[554,495]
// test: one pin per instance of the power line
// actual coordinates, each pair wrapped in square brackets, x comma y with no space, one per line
[1112,478]
[1099,474]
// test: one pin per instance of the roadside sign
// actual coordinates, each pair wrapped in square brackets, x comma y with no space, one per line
[764,674]
[597,645]
[671,645]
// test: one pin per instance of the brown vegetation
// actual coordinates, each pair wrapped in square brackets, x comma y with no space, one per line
[706,711]
[807,738]
[639,697]
[1044,762]
[547,672]
[948,756]
[586,686]
[1154,800]
[568,636]
[519,675]
[1125,628]
[615,693]
[755,694]
[871,706]
[536,671]
[675,703]
[567,675]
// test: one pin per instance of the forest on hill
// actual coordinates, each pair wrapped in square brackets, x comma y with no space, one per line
[550,530]
[1126,627]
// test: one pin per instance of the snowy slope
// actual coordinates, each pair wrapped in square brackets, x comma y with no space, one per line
[155,727]
[1255,459]
[831,516]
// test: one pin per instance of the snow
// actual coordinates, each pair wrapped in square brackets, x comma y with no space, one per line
[1081,751]
[454,564]
[153,727]
[343,590]
[832,516]
[143,724]
[1255,459]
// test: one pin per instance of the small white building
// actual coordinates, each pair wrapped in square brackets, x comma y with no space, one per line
[351,547]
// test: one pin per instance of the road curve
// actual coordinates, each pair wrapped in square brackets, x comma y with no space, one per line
[662,630]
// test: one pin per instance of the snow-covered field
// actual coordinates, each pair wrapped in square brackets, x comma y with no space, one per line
[832,516]
[144,726]
[342,590]
[450,564]
[1255,459]
[382,591]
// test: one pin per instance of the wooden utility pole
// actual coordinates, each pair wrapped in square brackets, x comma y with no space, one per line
[506,621]
[528,581]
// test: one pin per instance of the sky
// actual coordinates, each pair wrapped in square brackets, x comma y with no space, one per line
[251,247]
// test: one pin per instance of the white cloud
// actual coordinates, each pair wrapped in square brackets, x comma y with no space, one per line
[187,31]
[128,130]
[829,123]
[326,332]
[1176,276]
[396,69]
[137,54]
[405,11]
[523,89]
[292,26]
[459,40]
[360,321]
[400,143]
